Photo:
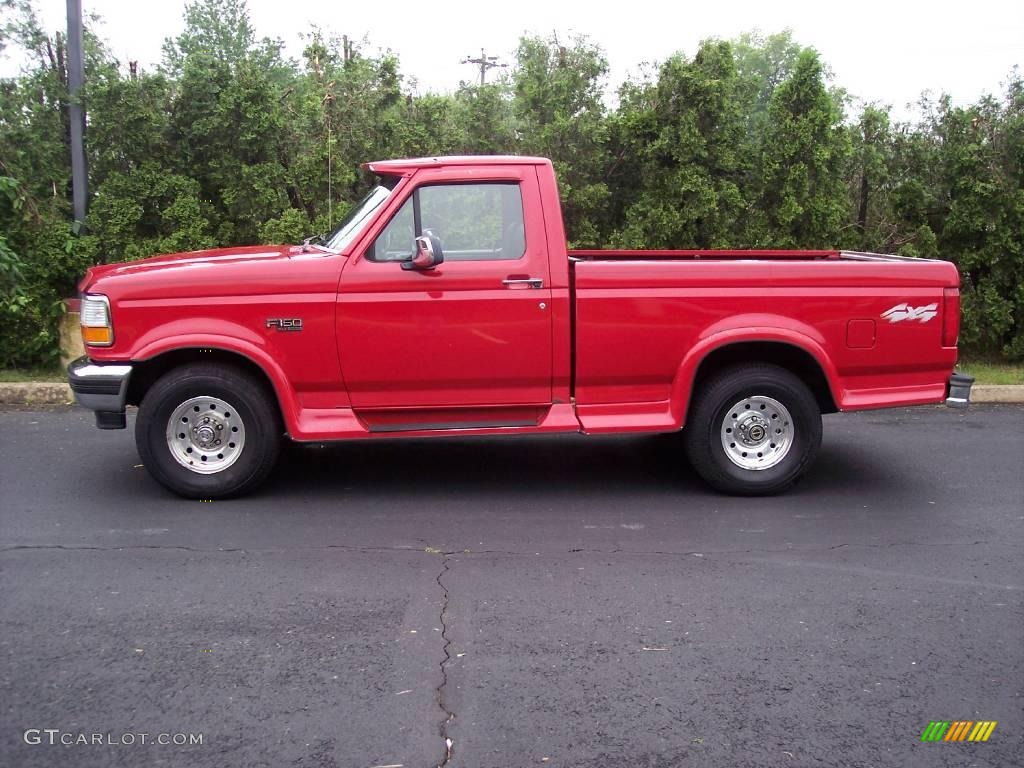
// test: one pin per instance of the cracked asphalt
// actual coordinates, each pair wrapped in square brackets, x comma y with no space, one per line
[560,601]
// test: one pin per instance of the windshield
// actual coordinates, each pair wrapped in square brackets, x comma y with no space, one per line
[353,223]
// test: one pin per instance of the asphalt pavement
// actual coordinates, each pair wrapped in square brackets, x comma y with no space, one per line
[562,601]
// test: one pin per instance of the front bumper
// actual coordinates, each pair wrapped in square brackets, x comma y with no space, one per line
[101,387]
[959,389]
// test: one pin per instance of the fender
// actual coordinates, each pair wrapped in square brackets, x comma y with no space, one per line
[256,354]
[772,328]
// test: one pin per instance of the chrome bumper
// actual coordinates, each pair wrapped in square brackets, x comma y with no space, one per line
[101,387]
[959,389]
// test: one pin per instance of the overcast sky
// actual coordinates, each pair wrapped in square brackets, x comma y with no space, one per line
[887,52]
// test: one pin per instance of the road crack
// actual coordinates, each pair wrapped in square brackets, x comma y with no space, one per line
[448,715]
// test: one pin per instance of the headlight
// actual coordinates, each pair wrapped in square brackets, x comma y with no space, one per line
[97,330]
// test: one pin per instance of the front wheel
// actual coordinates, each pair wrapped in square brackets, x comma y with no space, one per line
[208,431]
[753,430]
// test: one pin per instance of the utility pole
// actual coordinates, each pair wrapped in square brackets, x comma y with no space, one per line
[76,114]
[485,62]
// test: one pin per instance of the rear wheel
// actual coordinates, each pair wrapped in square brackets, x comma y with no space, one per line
[208,431]
[753,430]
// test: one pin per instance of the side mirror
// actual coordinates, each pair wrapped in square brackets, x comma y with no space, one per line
[428,253]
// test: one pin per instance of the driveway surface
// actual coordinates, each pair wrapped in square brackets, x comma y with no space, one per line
[562,601]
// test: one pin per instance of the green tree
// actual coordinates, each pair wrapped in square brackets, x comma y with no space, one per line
[804,153]
[762,65]
[40,260]
[226,119]
[216,29]
[982,167]
[684,137]
[871,161]
[343,109]
[560,114]
[486,118]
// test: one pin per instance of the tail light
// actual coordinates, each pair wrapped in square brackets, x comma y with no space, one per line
[950,316]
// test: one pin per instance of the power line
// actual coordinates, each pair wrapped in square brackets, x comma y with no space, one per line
[485,62]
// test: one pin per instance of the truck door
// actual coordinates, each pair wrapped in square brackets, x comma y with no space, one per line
[473,332]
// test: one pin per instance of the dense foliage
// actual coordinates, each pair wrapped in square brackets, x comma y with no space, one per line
[744,144]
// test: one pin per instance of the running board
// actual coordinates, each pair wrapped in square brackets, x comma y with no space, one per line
[447,426]
[324,424]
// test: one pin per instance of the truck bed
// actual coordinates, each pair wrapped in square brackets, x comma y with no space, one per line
[869,321]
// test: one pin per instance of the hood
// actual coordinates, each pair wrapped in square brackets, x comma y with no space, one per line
[179,261]
[248,270]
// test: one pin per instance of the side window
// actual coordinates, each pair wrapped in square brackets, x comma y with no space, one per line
[474,222]
[395,243]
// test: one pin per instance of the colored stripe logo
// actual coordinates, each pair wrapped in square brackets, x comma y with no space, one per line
[958,730]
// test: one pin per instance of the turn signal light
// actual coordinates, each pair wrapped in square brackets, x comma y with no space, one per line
[97,336]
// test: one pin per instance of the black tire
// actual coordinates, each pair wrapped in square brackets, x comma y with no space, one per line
[710,415]
[251,403]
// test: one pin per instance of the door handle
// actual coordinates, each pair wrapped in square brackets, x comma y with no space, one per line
[523,282]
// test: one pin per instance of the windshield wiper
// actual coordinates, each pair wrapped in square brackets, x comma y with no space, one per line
[312,240]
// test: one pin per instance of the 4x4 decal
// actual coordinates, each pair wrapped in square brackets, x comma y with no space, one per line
[904,311]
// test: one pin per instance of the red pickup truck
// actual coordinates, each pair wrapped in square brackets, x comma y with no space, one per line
[447,303]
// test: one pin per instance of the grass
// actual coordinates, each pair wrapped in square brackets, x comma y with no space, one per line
[989,372]
[19,375]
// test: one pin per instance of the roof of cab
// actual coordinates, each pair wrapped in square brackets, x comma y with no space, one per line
[407,165]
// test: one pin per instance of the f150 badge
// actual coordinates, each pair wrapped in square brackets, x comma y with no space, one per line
[904,311]
[285,323]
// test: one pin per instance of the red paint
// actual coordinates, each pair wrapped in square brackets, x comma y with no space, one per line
[454,351]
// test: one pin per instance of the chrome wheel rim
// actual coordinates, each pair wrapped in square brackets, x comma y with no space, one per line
[757,432]
[205,435]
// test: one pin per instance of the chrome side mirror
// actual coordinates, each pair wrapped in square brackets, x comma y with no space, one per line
[428,253]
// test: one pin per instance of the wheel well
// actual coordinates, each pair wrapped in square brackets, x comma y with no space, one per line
[146,372]
[786,356]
